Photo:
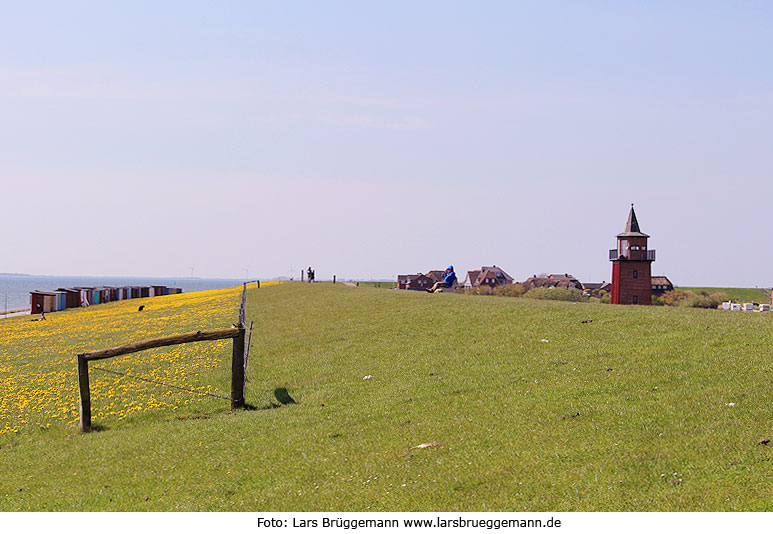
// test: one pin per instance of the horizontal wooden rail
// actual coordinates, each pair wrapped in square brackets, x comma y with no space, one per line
[225,333]
[238,360]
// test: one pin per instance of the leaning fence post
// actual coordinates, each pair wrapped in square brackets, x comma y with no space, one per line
[84,395]
[237,361]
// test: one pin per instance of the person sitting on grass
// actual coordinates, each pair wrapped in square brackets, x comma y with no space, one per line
[449,279]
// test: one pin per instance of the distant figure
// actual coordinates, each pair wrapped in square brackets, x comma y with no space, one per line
[310,274]
[41,318]
[449,279]
[141,308]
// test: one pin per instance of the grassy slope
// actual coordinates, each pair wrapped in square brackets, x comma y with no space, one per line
[382,285]
[650,386]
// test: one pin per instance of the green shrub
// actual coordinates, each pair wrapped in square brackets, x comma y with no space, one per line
[510,290]
[704,299]
[485,290]
[556,293]
[673,298]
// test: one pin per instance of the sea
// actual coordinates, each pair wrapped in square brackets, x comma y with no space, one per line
[15,288]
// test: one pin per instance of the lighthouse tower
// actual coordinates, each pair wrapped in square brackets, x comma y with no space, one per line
[632,265]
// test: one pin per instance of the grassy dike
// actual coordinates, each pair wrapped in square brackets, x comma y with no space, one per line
[533,409]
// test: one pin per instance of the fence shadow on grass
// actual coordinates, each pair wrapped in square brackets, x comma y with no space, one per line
[283,396]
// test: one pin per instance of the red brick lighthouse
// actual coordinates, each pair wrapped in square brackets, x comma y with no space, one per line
[632,265]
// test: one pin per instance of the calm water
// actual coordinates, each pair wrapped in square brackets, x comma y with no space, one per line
[17,287]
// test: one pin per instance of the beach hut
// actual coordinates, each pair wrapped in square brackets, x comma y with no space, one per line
[87,295]
[49,301]
[104,294]
[60,300]
[73,298]
[158,290]
[41,301]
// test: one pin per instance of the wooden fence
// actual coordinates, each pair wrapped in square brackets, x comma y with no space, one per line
[238,361]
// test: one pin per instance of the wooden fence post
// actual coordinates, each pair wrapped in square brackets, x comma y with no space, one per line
[84,395]
[334,279]
[237,361]
[237,371]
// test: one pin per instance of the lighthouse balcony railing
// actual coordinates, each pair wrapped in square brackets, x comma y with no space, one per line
[637,255]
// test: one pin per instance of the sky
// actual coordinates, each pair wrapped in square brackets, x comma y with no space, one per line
[371,139]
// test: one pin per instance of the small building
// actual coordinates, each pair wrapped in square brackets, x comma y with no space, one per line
[73,297]
[661,284]
[42,301]
[416,282]
[101,295]
[60,300]
[595,288]
[552,280]
[157,291]
[632,265]
[86,295]
[436,275]
[491,276]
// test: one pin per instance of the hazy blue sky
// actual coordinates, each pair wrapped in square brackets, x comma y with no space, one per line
[371,139]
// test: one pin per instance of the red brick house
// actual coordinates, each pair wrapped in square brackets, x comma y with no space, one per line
[632,265]
[492,277]
[595,288]
[436,276]
[417,282]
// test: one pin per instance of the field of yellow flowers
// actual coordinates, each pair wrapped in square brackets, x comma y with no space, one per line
[38,379]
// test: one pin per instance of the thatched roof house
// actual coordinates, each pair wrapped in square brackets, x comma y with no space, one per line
[553,280]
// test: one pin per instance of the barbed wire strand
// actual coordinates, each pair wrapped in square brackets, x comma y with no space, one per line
[161,383]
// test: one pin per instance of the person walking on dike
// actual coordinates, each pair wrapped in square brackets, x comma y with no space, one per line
[449,279]
[310,275]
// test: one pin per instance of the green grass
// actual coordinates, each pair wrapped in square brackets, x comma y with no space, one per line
[382,285]
[737,294]
[604,415]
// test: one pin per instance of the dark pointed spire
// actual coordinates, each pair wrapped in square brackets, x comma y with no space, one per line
[632,226]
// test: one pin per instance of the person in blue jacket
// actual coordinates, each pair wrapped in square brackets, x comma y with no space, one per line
[449,279]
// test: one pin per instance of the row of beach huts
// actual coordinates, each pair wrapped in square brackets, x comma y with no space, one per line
[75,297]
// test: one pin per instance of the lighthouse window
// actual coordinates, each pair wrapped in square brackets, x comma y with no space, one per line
[636,274]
